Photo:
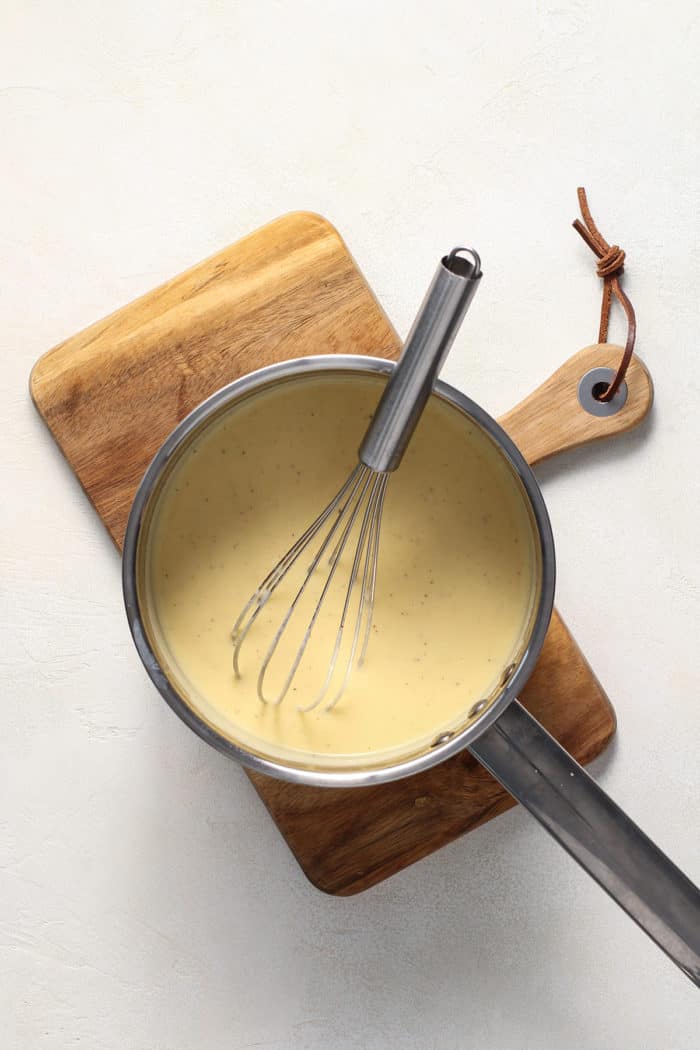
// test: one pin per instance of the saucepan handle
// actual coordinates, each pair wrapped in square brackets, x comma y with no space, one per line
[558,792]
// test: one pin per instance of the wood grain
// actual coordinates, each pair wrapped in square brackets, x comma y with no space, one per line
[551,420]
[111,394]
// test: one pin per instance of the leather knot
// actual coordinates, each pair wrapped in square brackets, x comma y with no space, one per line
[612,263]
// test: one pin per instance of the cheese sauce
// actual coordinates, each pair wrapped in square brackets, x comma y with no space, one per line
[455,587]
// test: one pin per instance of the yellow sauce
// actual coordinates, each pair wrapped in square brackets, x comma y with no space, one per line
[455,587]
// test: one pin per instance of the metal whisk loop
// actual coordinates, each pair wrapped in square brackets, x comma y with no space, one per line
[265,590]
[363,478]
[362,550]
[370,528]
[374,557]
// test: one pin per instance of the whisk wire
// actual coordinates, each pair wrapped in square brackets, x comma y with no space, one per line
[266,588]
[357,560]
[362,481]
[377,521]
[370,532]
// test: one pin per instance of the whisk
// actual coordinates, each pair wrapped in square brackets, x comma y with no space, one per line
[358,505]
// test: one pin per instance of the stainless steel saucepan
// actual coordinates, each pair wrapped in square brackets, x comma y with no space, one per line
[498,731]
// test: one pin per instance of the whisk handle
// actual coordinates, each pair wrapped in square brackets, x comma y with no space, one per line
[433,332]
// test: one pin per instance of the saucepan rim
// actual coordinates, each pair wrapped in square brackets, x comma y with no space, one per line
[342,777]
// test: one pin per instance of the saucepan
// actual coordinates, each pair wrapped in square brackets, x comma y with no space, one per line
[498,731]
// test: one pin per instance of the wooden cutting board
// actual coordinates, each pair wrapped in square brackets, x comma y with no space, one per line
[112,393]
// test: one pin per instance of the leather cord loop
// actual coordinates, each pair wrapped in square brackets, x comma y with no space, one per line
[611,262]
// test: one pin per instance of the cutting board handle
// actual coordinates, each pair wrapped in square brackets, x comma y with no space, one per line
[552,419]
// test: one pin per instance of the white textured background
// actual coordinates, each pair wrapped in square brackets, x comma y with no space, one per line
[146,900]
